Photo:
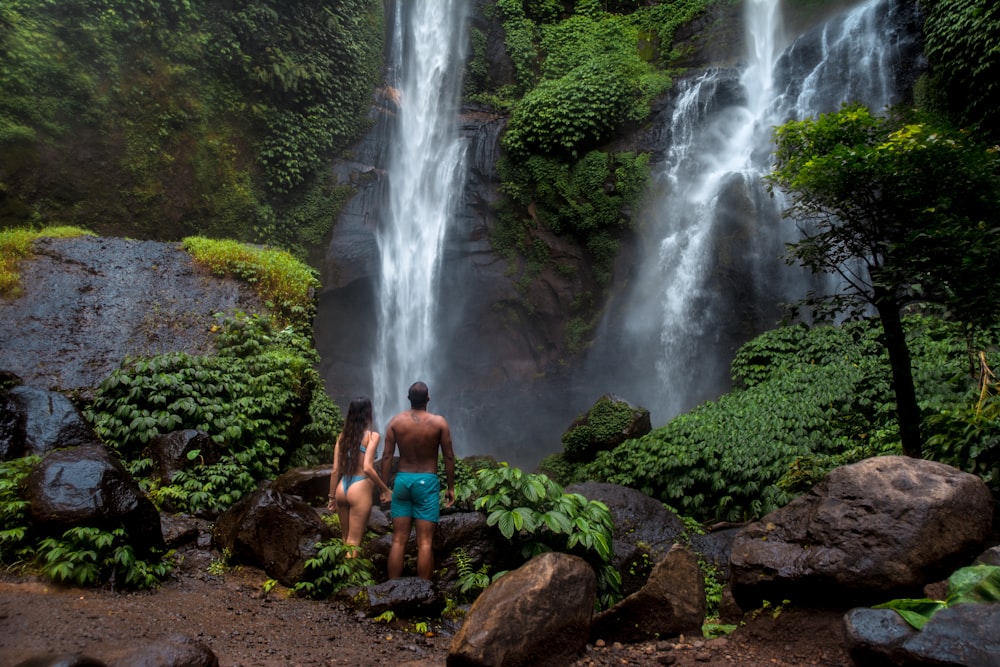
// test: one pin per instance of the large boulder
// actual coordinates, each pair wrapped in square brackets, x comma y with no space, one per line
[671,603]
[34,421]
[537,615]
[88,486]
[272,531]
[869,532]
[90,302]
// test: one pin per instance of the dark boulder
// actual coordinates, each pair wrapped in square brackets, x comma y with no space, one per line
[172,452]
[609,422]
[406,597]
[961,636]
[88,486]
[35,421]
[272,531]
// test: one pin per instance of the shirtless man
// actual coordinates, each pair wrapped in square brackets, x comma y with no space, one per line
[414,496]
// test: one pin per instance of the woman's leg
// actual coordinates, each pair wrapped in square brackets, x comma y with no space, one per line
[359,501]
[343,511]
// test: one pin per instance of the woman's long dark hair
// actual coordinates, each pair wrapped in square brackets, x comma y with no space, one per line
[358,420]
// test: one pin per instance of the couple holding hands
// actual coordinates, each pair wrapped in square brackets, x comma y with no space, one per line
[414,496]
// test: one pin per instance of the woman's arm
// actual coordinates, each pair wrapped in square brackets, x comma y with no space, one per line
[369,465]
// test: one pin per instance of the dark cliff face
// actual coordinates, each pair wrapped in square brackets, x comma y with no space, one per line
[90,302]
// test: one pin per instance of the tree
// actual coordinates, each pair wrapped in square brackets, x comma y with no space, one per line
[904,210]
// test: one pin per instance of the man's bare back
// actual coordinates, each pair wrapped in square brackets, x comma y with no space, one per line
[418,434]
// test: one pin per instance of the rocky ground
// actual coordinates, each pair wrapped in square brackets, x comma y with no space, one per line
[244,627]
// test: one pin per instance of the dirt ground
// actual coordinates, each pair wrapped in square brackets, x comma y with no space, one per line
[244,627]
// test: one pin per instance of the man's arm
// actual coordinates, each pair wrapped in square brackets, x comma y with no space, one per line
[448,452]
[387,455]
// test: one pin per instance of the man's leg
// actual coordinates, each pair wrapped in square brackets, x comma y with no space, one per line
[400,536]
[425,548]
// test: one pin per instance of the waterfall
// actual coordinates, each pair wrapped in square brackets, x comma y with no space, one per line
[712,276]
[425,171]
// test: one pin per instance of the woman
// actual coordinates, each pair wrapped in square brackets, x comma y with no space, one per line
[354,479]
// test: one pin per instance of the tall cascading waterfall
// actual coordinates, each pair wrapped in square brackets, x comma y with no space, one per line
[712,276]
[425,172]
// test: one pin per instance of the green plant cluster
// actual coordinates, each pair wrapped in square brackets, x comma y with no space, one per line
[961,41]
[807,399]
[535,515]
[335,567]
[583,73]
[259,397]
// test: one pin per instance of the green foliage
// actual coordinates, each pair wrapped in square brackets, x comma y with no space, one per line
[471,582]
[911,199]
[14,520]
[287,285]
[967,436]
[87,556]
[311,66]
[248,398]
[335,566]
[961,41]
[807,400]
[977,584]
[605,422]
[533,513]
[205,118]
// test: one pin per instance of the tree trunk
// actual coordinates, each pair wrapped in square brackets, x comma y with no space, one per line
[907,410]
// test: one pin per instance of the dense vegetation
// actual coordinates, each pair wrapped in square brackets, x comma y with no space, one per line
[164,118]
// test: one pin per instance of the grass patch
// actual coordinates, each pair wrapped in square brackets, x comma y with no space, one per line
[17,244]
[285,283]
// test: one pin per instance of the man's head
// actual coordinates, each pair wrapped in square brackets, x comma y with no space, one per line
[418,395]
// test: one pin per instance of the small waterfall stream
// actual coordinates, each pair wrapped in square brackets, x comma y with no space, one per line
[426,168]
[712,276]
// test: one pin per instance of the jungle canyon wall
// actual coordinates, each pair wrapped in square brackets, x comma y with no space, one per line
[504,375]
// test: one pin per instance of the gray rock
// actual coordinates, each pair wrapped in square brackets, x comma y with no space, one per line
[172,651]
[538,615]
[962,636]
[645,530]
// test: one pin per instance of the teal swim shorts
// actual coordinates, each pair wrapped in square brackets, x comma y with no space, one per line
[416,495]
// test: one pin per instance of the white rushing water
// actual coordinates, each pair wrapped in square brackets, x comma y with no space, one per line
[426,168]
[712,274]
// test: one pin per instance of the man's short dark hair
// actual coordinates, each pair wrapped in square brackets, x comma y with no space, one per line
[418,395]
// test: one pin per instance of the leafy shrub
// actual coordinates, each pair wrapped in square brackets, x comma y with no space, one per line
[246,397]
[14,521]
[87,556]
[335,566]
[606,421]
[83,555]
[533,513]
